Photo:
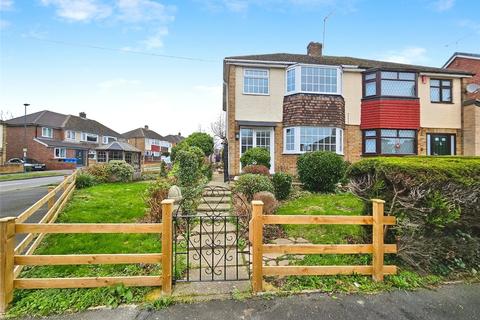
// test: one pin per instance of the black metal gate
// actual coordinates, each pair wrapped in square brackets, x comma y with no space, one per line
[211,244]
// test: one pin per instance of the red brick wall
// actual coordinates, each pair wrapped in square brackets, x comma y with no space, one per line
[470,65]
[37,151]
[386,113]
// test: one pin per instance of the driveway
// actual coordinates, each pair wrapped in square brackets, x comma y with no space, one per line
[459,302]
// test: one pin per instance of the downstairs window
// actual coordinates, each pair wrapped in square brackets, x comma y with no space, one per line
[306,139]
[389,142]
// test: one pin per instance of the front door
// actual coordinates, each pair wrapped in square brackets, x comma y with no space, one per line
[441,144]
[80,156]
[258,137]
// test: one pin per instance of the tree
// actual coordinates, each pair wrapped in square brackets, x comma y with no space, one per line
[219,128]
[202,140]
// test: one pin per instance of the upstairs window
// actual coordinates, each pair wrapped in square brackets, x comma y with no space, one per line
[390,84]
[47,132]
[70,135]
[440,90]
[108,139]
[313,79]
[89,137]
[255,81]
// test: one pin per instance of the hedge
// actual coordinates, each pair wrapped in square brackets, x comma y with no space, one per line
[437,204]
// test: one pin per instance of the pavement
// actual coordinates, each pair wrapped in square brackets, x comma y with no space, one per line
[459,302]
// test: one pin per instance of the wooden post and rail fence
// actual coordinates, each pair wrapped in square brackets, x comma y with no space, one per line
[13,259]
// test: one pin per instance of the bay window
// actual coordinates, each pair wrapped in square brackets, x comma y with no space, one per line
[390,84]
[313,79]
[389,142]
[307,139]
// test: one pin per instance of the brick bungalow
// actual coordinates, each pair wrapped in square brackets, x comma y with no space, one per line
[152,144]
[60,141]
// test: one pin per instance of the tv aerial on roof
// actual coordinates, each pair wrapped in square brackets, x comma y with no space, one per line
[473,88]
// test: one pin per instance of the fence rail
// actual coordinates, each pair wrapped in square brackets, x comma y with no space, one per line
[12,259]
[377,248]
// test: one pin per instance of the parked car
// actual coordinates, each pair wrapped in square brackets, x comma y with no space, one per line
[29,163]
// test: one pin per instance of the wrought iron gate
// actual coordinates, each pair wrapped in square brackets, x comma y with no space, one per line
[211,244]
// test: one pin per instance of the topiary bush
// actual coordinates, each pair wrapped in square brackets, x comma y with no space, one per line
[85,180]
[99,171]
[119,170]
[249,184]
[436,201]
[282,183]
[257,169]
[320,171]
[260,156]
[270,204]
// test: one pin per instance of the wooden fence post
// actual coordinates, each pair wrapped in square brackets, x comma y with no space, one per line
[378,245]
[65,186]
[51,201]
[7,245]
[257,235]
[167,248]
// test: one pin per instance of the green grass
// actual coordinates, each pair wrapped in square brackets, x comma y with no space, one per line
[339,204]
[105,203]
[29,175]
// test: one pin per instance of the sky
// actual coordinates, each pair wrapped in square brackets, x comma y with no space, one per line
[130,63]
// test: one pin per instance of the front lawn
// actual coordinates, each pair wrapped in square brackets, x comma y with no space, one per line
[105,203]
[339,204]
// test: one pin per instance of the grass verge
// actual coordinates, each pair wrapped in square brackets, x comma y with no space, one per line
[105,203]
[29,175]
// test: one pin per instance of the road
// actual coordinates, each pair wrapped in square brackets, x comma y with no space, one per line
[459,302]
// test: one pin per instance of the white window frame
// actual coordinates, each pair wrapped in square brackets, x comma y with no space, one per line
[298,79]
[338,144]
[84,137]
[254,143]
[68,133]
[47,129]
[60,153]
[105,139]
[267,77]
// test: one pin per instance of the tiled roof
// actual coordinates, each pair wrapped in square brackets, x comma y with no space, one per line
[119,146]
[142,133]
[289,58]
[65,144]
[69,122]
[174,138]
[461,54]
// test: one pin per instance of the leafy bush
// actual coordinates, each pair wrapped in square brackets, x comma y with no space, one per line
[257,169]
[189,178]
[154,195]
[99,171]
[260,156]
[435,200]
[119,170]
[207,171]
[183,145]
[270,204]
[163,169]
[249,184]
[201,140]
[85,180]
[320,171]
[282,183]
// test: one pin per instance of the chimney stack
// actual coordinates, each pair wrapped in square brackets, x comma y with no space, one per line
[314,49]
[146,127]
[83,115]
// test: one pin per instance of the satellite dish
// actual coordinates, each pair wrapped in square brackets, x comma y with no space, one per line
[473,87]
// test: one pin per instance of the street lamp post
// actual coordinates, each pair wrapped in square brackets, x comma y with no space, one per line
[25,136]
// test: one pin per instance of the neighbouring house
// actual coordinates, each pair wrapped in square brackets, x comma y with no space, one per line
[3,142]
[60,141]
[174,139]
[151,144]
[119,150]
[295,103]
[471,101]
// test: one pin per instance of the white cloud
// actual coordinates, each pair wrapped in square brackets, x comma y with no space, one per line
[79,10]
[443,5]
[6,5]
[118,82]
[144,11]
[410,55]
[155,41]
[4,24]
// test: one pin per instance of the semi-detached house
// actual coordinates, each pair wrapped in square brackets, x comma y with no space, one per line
[295,103]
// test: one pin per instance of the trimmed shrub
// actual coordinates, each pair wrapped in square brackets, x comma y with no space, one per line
[189,179]
[207,171]
[282,183]
[99,171]
[154,195]
[257,169]
[320,171]
[270,204]
[85,180]
[436,201]
[119,170]
[249,184]
[260,156]
[180,146]
[201,140]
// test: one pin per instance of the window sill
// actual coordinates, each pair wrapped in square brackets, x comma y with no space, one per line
[442,102]
[255,94]
[314,93]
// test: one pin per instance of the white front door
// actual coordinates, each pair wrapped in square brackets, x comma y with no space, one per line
[258,137]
